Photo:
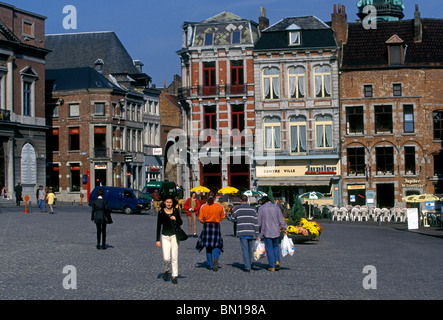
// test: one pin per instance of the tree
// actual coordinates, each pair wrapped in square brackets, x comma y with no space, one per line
[297,211]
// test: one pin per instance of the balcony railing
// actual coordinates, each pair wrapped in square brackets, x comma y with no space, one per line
[206,91]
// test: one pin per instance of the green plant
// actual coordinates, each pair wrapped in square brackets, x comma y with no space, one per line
[297,212]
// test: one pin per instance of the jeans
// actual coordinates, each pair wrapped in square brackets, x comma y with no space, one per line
[247,245]
[41,204]
[272,246]
[212,254]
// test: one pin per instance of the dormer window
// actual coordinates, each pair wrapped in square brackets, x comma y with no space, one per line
[236,37]
[395,50]
[294,38]
[209,37]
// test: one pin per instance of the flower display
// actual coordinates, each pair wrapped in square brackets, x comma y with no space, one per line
[306,228]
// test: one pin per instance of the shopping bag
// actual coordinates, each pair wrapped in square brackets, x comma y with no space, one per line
[287,246]
[260,250]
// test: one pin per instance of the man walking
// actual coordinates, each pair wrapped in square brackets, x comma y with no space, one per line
[41,199]
[18,194]
[271,222]
[247,229]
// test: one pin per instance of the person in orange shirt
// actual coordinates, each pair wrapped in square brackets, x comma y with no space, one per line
[210,215]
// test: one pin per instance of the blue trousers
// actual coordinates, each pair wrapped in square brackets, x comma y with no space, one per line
[41,204]
[247,245]
[212,254]
[272,246]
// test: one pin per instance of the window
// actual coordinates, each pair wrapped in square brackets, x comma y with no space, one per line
[296,82]
[410,160]
[210,122]
[383,119]
[438,125]
[354,120]
[408,118]
[384,157]
[297,126]
[27,98]
[236,37]
[238,117]
[99,109]
[74,110]
[100,142]
[395,55]
[438,164]
[75,177]
[271,83]
[209,37]
[209,87]
[52,177]
[54,111]
[272,133]
[322,76]
[74,139]
[28,28]
[356,160]
[323,131]
[237,77]
[367,89]
[397,89]
[294,38]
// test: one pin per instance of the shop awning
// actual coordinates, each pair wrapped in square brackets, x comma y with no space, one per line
[311,181]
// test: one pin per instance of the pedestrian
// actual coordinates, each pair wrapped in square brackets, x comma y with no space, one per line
[101,216]
[210,215]
[168,219]
[247,229]
[41,199]
[50,197]
[156,200]
[18,194]
[271,223]
[192,207]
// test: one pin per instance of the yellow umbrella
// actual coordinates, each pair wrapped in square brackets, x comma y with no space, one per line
[427,197]
[200,189]
[228,190]
[412,198]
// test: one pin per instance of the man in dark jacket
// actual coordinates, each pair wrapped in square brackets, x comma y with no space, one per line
[18,194]
[247,229]
[101,216]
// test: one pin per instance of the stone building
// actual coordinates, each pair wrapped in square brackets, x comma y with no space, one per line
[22,99]
[217,95]
[132,121]
[297,142]
[391,107]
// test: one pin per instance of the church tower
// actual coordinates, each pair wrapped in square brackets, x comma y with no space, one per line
[387,10]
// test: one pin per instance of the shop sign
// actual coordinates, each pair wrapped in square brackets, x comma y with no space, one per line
[413,183]
[319,170]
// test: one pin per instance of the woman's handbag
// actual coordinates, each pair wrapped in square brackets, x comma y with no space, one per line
[179,233]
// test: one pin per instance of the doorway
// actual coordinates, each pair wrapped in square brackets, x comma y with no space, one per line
[385,195]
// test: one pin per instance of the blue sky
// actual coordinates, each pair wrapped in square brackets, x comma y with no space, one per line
[151,30]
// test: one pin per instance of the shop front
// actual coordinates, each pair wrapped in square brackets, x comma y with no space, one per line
[291,178]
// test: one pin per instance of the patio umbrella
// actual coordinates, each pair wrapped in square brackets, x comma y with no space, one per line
[251,193]
[313,195]
[200,189]
[420,198]
[228,190]
[262,194]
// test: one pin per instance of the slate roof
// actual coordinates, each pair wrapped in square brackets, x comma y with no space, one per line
[76,79]
[314,34]
[76,50]
[367,48]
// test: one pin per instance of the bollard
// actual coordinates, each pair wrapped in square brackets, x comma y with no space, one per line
[81,198]
[26,204]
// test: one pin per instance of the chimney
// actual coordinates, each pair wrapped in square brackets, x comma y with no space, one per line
[263,22]
[139,65]
[339,20]
[418,28]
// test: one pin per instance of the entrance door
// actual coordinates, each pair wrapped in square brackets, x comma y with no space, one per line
[385,195]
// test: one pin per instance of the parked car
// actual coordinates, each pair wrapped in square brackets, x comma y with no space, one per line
[163,188]
[122,199]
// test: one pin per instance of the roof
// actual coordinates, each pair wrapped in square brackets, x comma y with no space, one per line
[75,50]
[76,79]
[314,33]
[368,48]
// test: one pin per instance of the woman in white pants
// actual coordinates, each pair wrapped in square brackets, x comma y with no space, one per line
[168,219]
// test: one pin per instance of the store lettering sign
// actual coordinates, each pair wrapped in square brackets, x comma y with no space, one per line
[319,170]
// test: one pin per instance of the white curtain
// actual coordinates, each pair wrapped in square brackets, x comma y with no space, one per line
[276,87]
[268,137]
[294,139]
[277,137]
[318,85]
[327,79]
[301,86]
[292,86]
[328,136]
[320,143]
[302,133]
[266,87]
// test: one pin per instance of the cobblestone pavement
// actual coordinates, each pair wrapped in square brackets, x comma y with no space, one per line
[36,247]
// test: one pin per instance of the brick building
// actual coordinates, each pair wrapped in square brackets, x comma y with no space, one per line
[22,99]
[391,108]
[124,136]
[297,109]
[217,95]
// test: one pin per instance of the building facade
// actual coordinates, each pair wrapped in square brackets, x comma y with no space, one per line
[391,108]
[217,96]
[133,124]
[297,141]
[22,99]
